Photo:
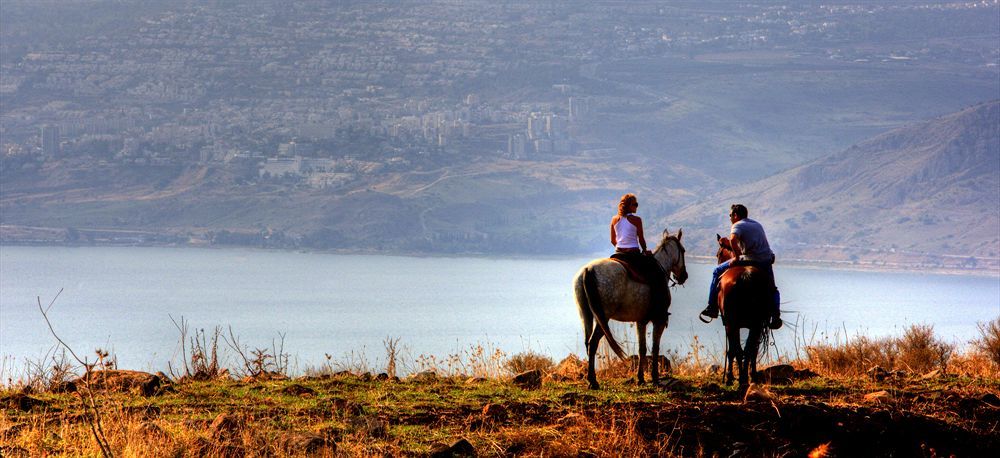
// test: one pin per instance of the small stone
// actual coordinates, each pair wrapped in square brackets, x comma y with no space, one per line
[381,377]
[224,426]
[495,411]
[425,376]
[878,396]
[23,402]
[930,375]
[461,447]
[297,443]
[528,380]
[298,390]
[778,374]
[877,373]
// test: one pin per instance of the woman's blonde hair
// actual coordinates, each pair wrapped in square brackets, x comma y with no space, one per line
[625,203]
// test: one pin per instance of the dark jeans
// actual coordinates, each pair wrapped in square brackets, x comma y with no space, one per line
[764,267]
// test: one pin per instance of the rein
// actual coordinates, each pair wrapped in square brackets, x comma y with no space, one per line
[671,283]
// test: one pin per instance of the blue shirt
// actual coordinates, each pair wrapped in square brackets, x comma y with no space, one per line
[754,241]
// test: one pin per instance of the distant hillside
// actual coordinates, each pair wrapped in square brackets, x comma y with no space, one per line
[927,194]
[500,206]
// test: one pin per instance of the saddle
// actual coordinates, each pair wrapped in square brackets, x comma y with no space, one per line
[632,271]
[754,273]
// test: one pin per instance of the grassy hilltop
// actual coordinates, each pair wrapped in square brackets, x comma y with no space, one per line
[910,396]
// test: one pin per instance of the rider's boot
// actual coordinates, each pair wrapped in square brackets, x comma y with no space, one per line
[710,313]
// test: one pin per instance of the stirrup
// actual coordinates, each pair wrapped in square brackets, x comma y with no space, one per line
[702,316]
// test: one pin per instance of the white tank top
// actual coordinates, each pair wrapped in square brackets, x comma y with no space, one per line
[626,233]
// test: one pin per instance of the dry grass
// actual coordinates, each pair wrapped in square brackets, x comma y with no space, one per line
[921,352]
[853,358]
[918,351]
[476,361]
[989,343]
[529,360]
[356,416]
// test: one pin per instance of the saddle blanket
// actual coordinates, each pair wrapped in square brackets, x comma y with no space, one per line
[632,272]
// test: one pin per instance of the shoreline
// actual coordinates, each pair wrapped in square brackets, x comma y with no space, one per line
[812,264]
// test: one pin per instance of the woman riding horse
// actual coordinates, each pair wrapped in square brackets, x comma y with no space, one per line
[605,290]
[630,246]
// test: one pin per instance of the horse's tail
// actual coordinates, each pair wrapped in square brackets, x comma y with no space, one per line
[597,309]
[581,304]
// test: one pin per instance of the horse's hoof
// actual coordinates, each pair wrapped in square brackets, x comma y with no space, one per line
[594,386]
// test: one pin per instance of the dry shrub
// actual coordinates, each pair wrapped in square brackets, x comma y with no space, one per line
[917,351]
[529,360]
[989,344]
[47,374]
[477,361]
[973,364]
[852,358]
[920,351]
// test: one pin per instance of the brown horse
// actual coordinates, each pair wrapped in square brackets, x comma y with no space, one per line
[605,292]
[743,304]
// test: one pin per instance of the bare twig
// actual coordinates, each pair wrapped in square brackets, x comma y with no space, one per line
[182,327]
[96,426]
[391,355]
[234,343]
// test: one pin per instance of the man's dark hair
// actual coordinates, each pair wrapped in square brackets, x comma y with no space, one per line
[739,210]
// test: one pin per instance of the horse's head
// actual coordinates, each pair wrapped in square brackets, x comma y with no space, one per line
[670,255]
[725,253]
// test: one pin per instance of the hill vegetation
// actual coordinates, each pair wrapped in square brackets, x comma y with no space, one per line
[912,395]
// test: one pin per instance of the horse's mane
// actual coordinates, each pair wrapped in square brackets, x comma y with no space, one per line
[666,238]
[724,254]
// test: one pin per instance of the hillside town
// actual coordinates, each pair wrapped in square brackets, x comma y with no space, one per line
[309,89]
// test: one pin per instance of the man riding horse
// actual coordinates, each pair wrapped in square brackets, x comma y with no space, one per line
[749,245]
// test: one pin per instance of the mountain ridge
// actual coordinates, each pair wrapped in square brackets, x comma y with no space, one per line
[927,190]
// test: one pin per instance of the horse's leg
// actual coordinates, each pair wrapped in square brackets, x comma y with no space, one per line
[753,350]
[595,341]
[658,328]
[746,356]
[640,330]
[733,355]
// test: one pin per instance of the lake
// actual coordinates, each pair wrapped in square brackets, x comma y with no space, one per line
[122,299]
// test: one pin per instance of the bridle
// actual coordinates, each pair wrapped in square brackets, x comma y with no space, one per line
[671,283]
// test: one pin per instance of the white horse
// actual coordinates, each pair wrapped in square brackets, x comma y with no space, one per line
[604,291]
